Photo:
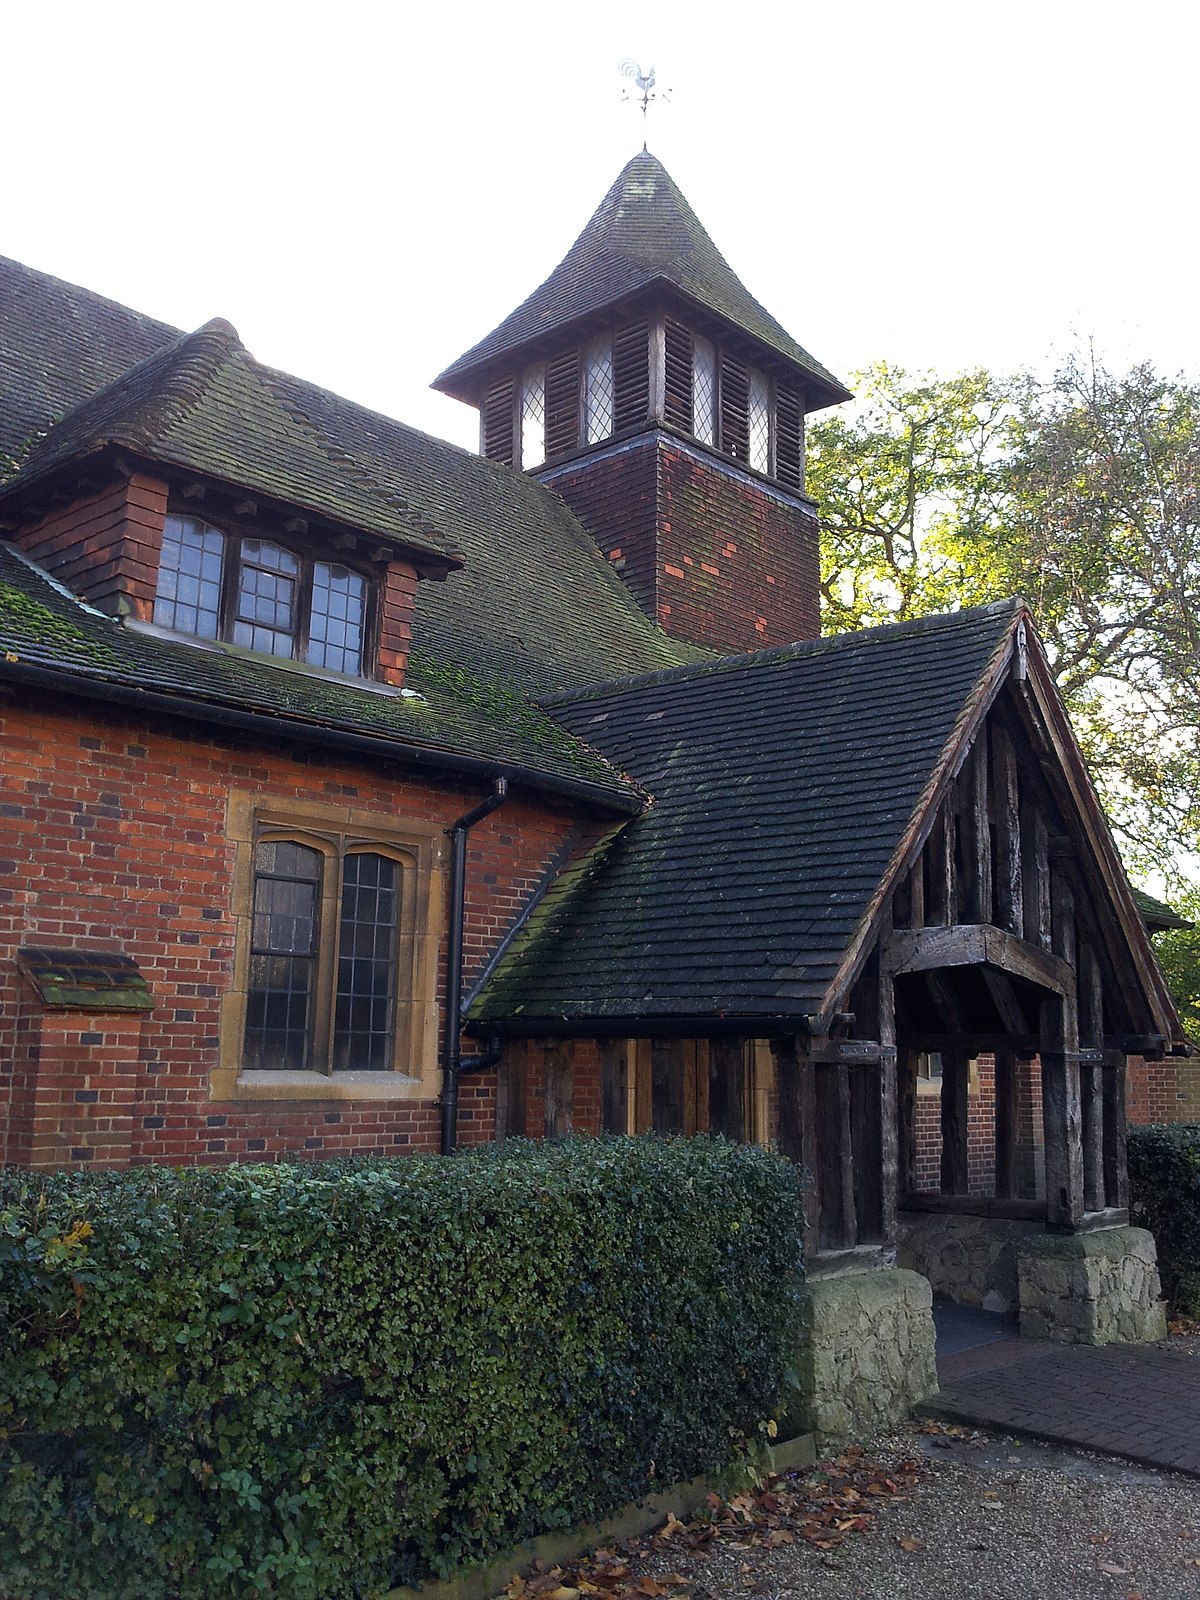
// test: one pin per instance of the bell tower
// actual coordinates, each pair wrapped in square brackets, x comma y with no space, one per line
[646,386]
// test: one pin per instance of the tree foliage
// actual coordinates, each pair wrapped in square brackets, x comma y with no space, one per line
[1082,494]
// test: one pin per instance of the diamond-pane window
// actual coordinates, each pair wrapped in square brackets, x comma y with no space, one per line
[533,419]
[189,577]
[335,624]
[597,391]
[704,391]
[759,420]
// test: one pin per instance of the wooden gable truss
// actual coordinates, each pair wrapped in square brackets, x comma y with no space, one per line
[1004,926]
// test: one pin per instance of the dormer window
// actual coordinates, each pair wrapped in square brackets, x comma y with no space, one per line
[260,595]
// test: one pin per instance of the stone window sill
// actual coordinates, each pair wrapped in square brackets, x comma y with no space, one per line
[317,1086]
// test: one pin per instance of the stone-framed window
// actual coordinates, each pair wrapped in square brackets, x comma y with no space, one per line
[337,922]
[217,583]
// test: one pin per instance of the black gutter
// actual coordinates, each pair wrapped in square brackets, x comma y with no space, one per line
[763,1025]
[453,1062]
[265,724]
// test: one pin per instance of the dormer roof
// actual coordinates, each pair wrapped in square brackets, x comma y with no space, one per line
[643,235]
[203,404]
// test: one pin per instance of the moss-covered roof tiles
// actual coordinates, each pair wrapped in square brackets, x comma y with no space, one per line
[203,403]
[643,233]
[780,793]
[42,627]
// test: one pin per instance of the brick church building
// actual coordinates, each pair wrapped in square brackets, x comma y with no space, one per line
[362,794]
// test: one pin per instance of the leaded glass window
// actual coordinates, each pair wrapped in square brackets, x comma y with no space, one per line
[533,419]
[597,391]
[324,954]
[704,391]
[265,615]
[335,624]
[283,955]
[758,419]
[189,577]
[365,1006]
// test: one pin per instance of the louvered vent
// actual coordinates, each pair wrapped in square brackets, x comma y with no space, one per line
[789,437]
[498,422]
[678,405]
[631,377]
[562,405]
[735,408]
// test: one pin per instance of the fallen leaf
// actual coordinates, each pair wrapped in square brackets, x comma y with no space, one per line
[1113,1570]
[1099,1538]
[910,1544]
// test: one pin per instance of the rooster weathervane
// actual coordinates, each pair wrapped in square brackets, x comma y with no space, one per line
[645,82]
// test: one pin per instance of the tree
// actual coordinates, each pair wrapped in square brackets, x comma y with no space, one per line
[907,487]
[1082,494]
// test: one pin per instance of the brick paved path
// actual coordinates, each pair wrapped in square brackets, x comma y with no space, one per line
[1138,1401]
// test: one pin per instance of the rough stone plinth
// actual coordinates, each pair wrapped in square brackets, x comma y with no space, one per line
[971,1261]
[867,1351]
[1091,1288]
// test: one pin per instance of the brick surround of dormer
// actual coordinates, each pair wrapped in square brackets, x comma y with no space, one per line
[398,597]
[105,546]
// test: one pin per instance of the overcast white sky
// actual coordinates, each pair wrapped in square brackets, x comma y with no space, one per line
[365,190]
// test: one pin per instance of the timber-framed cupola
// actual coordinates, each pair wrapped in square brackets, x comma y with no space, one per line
[643,322]
[646,385]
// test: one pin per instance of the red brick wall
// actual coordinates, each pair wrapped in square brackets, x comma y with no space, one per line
[113,836]
[738,565]
[1163,1091]
[105,547]
[712,555]
[615,496]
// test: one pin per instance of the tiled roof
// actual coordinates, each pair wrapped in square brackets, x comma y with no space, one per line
[1156,914]
[782,784]
[536,608]
[644,233]
[536,605]
[42,627]
[203,403]
[58,345]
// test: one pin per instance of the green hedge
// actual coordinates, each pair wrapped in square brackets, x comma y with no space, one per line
[318,1381]
[1164,1186]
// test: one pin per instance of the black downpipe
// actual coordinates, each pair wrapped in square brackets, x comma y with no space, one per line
[453,1063]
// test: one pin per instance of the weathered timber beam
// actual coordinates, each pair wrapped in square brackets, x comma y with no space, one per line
[1008,1123]
[977,840]
[1006,806]
[1091,1073]
[1003,996]
[955,1105]
[974,944]
[795,1077]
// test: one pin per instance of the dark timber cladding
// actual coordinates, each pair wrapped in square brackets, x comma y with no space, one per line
[954,891]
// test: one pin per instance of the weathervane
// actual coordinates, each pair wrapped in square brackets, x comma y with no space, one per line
[645,83]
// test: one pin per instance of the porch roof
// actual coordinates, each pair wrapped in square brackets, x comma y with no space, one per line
[783,783]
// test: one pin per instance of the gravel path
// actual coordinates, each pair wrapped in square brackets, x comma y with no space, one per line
[991,1518]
